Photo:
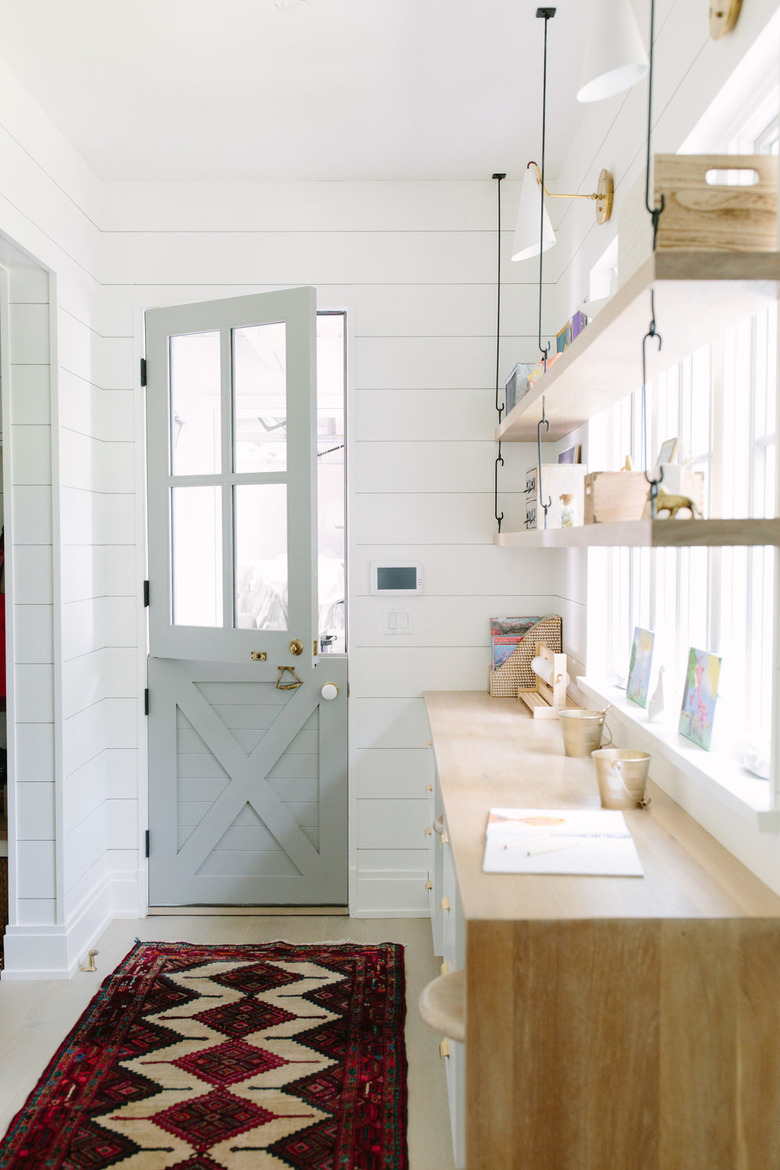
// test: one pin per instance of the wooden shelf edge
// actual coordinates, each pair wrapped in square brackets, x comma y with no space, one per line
[442,1005]
[747,269]
[649,534]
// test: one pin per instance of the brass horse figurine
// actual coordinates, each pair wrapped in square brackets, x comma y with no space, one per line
[671,504]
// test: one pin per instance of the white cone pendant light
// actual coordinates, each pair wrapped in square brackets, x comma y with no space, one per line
[526,242]
[615,57]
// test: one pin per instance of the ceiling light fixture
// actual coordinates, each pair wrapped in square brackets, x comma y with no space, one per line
[615,57]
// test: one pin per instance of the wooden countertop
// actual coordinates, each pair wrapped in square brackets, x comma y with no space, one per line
[491,753]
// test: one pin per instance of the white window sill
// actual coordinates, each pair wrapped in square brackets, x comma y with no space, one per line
[720,775]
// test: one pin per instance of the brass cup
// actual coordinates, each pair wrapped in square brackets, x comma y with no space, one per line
[582,731]
[622,777]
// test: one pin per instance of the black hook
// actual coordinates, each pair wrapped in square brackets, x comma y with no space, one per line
[500,460]
[652,334]
[543,421]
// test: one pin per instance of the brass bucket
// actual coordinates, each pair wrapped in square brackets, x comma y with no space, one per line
[622,777]
[582,730]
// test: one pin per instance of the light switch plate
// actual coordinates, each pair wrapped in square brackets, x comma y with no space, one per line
[398,620]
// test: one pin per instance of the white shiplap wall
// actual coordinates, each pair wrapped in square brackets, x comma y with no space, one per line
[414,266]
[72,740]
[29,592]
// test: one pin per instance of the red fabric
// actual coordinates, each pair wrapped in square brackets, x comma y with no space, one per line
[293,1051]
[3,690]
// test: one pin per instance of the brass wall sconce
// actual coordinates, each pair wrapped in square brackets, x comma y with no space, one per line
[527,236]
[604,193]
[724,15]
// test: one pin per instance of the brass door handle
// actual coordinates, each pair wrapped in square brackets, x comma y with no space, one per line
[287,686]
[296,647]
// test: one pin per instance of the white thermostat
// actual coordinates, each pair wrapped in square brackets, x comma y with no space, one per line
[396,578]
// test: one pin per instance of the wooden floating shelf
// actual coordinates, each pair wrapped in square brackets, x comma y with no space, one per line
[648,534]
[697,296]
[442,1005]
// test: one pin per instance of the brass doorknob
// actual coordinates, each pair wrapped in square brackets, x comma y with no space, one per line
[296,646]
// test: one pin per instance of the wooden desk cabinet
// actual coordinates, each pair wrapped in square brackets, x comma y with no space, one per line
[611,1023]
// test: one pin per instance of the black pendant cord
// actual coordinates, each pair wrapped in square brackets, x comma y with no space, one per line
[654,212]
[499,406]
[498,177]
[652,333]
[546,14]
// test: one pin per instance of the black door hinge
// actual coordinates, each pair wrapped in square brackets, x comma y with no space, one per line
[146,594]
[146,842]
[143,371]
[146,701]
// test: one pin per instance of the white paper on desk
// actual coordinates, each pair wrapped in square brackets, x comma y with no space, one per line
[561,841]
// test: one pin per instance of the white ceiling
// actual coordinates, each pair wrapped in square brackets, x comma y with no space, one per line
[336,89]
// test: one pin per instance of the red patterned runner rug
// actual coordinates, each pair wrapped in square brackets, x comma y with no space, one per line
[228,1058]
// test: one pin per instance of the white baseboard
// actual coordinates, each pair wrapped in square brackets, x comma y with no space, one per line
[398,913]
[390,894]
[56,952]
[129,894]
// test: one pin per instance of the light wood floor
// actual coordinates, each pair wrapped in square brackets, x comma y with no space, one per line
[36,1016]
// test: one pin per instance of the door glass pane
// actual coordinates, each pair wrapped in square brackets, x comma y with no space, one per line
[331,370]
[260,398]
[196,556]
[260,520]
[195,419]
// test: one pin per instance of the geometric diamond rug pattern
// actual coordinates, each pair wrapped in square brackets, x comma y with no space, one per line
[252,1057]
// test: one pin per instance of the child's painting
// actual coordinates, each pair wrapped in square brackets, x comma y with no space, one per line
[639,670]
[701,691]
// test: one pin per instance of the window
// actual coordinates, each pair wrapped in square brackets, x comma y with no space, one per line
[331,479]
[721,404]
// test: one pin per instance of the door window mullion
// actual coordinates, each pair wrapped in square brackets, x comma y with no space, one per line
[226,412]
